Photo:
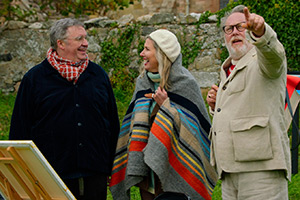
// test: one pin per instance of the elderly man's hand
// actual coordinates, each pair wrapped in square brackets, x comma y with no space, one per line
[254,23]
[211,96]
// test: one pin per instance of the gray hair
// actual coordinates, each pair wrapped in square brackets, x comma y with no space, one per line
[59,30]
[237,9]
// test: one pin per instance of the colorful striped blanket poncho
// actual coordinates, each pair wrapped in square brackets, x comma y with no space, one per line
[176,147]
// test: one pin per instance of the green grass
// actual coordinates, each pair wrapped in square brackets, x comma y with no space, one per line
[135,193]
[6,107]
[294,187]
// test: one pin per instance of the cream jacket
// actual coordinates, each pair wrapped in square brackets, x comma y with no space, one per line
[248,131]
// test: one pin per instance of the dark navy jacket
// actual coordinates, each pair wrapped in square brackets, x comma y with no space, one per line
[75,126]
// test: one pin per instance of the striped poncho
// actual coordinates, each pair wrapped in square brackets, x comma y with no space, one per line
[175,147]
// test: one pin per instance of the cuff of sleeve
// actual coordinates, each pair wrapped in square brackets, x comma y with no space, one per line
[166,103]
[264,39]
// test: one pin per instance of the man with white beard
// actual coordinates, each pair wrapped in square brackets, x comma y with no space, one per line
[249,142]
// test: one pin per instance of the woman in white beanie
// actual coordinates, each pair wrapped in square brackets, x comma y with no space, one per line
[163,144]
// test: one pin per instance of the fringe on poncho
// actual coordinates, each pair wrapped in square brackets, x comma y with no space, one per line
[176,147]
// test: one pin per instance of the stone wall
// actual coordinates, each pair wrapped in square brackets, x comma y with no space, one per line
[24,45]
[143,7]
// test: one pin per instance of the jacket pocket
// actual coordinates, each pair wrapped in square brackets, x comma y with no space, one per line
[251,139]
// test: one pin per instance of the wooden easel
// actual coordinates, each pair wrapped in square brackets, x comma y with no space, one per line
[26,174]
[17,160]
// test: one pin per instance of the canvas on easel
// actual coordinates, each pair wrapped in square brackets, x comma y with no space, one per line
[26,174]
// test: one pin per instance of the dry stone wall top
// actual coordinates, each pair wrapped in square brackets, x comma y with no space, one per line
[23,45]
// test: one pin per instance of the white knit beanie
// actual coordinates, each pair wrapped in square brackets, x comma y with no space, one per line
[167,42]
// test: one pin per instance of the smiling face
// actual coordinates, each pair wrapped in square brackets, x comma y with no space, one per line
[236,42]
[148,54]
[74,47]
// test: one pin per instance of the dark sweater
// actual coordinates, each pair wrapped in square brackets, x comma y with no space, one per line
[75,126]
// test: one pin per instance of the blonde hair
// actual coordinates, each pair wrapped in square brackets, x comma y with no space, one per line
[164,67]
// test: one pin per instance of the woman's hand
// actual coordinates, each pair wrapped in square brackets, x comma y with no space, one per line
[160,96]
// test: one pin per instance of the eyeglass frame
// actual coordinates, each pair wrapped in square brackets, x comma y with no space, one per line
[80,38]
[236,26]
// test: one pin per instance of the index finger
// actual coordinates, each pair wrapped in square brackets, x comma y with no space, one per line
[158,88]
[247,13]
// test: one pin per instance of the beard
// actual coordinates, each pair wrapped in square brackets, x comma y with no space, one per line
[237,52]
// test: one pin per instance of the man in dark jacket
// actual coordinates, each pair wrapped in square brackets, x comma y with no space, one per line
[67,107]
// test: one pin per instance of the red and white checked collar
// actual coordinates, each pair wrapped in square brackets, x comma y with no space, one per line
[229,70]
[66,68]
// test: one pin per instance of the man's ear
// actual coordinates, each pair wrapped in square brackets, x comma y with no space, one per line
[61,44]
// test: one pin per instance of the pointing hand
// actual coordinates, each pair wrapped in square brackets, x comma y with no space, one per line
[254,23]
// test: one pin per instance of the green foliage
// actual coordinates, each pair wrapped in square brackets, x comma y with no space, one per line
[80,7]
[222,12]
[204,17]
[11,9]
[116,60]
[190,49]
[6,107]
[224,53]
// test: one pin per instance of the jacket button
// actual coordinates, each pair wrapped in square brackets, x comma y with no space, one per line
[80,144]
[224,87]
[79,124]
[77,105]
[219,110]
